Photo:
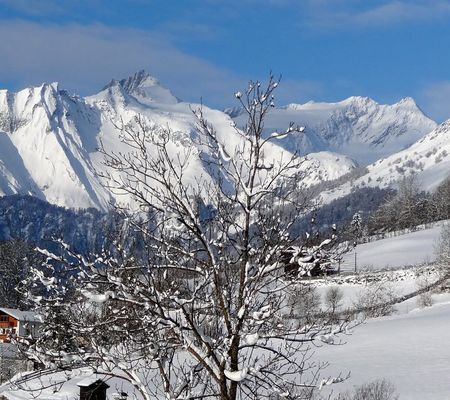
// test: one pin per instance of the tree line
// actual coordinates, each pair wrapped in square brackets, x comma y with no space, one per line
[410,206]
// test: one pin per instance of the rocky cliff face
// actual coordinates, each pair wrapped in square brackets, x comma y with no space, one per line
[357,127]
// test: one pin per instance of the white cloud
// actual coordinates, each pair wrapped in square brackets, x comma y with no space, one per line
[295,91]
[36,8]
[401,11]
[348,14]
[436,98]
[84,58]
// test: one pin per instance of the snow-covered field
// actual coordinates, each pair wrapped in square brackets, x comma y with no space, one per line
[410,350]
[396,282]
[410,249]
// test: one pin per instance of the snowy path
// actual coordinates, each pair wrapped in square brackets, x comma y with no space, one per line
[410,350]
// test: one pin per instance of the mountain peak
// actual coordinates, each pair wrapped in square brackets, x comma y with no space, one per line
[144,87]
[359,101]
[138,81]
[408,102]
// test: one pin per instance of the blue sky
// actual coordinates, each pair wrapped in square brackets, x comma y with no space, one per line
[325,50]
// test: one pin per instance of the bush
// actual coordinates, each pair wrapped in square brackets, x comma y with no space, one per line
[377,390]
[334,299]
[443,250]
[305,303]
[424,299]
[376,300]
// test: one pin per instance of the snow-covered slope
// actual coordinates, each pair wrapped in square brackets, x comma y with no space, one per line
[46,139]
[409,350]
[49,139]
[358,127]
[409,249]
[326,166]
[428,159]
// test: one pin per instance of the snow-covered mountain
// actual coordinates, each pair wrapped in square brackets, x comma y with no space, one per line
[46,136]
[49,139]
[358,127]
[428,159]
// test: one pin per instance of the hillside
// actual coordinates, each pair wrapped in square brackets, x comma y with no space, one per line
[409,350]
[39,223]
[428,159]
[409,249]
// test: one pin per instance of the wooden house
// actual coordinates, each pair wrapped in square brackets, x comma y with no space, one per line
[17,323]
[92,388]
[302,262]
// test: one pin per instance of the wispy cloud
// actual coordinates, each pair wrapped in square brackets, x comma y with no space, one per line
[297,91]
[436,99]
[84,58]
[36,8]
[346,14]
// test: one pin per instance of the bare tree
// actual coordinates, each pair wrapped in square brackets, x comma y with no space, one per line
[424,299]
[202,315]
[376,300]
[440,207]
[442,250]
[377,390]
[334,297]
[305,303]
[408,208]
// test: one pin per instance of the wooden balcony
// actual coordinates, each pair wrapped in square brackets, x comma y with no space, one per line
[7,324]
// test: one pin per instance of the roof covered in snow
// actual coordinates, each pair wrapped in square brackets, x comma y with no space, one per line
[91,380]
[29,316]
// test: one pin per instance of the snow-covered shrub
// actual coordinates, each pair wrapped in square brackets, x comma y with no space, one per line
[333,299]
[438,159]
[410,164]
[425,298]
[376,300]
[377,390]
[399,170]
[443,250]
[305,302]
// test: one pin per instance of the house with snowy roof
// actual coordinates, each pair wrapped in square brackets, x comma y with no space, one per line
[18,323]
[301,262]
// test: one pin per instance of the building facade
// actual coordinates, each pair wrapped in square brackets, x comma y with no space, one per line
[17,323]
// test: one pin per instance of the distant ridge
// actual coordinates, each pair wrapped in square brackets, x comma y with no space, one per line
[358,127]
